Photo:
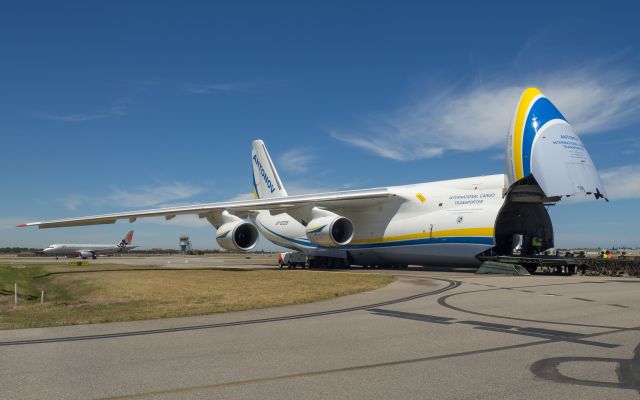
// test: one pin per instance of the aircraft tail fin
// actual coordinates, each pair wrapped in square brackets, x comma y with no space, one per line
[128,238]
[542,149]
[266,182]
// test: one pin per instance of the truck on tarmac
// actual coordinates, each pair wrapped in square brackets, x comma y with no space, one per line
[292,259]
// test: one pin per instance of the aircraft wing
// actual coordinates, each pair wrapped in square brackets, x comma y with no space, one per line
[343,199]
[112,250]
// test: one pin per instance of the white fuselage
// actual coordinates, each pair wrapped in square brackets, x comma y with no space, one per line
[83,250]
[427,224]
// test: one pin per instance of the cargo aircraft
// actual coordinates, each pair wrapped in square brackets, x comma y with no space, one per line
[90,250]
[449,222]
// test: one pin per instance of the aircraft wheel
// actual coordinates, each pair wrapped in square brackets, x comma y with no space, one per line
[531,268]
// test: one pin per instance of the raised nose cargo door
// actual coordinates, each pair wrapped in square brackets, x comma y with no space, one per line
[543,150]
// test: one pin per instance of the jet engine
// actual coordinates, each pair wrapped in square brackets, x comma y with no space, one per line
[86,254]
[330,231]
[237,235]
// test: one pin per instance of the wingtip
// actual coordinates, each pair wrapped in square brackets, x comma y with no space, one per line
[21,225]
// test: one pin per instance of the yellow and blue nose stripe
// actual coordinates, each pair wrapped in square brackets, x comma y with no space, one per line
[533,113]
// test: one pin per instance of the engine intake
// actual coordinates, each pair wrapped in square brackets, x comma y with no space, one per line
[330,231]
[86,254]
[237,235]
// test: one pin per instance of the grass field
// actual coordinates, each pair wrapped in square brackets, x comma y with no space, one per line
[109,293]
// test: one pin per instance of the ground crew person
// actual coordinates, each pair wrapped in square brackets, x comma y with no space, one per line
[536,243]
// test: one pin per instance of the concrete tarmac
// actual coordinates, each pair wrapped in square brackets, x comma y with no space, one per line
[441,335]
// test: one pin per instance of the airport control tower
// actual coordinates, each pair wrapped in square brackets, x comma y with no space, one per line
[185,244]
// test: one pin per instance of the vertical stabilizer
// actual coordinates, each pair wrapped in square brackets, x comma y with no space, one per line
[128,238]
[266,182]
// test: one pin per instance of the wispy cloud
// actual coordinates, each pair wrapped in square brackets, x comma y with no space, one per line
[296,160]
[295,188]
[151,195]
[73,202]
[627,145]
[241,197]
[622,182]
[118,109]
[227,87]
[595,98]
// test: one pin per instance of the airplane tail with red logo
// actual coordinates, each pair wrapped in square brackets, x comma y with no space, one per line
[128,238]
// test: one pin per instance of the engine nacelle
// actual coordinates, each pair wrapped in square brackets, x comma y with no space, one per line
[86,254]
[330,231]
[237,235]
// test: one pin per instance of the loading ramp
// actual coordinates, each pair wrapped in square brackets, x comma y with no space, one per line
[572,265]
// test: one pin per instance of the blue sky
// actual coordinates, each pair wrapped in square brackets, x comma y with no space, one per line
[110,106]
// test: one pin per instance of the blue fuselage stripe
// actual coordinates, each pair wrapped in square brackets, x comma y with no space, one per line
[542,112]
[305,242]
[481,240]
[413,242]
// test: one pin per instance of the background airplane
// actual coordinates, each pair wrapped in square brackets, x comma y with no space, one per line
[90,250]
[447,222]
